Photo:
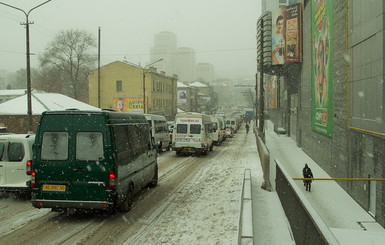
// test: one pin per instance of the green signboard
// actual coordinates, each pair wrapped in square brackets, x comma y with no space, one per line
[322,66]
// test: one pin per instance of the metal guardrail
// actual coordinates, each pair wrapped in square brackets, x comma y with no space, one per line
[246,230]
[305,222]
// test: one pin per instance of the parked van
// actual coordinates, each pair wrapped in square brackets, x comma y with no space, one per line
[91,160]
[160,132]
[217,135]
[15,156]
[192,133]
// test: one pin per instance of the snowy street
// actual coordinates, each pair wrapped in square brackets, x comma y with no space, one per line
[197,201]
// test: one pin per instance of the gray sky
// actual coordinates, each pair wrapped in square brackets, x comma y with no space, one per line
[222,32]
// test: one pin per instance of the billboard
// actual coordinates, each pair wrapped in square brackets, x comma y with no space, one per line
[322,66]
[286,34]
[182,97]
[271,89]
[128,104]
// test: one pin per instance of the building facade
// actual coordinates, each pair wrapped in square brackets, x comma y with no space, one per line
[186,60]
[165,47]
[204,72]
[121,89]
[333,101]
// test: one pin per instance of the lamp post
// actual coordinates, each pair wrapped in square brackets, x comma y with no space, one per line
[144,84]
[29,103]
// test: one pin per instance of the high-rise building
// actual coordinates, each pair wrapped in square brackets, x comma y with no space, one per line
[165,47]
[204,72]
[185,64]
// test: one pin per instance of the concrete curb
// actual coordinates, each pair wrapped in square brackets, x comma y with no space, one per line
[245,234]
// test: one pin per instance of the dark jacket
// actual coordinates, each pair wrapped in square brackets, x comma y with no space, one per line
[307,173]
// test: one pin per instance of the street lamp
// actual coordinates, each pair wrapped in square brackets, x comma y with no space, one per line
[28,60]
[144,83]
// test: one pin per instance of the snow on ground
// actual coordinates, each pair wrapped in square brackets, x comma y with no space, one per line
[208,211]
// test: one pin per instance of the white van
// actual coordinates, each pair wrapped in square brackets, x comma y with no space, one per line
[217,135]
[192,133]
[159,130]
[15,157]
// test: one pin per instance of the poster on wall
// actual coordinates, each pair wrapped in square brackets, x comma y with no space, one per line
[322,66]
[286,35]
[182,97]
[272,92]
[128,104]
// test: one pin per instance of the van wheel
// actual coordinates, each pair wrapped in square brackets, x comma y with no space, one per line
[178,153]
[154,181]
[128,200]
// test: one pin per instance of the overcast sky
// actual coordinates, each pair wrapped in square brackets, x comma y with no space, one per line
[222,32]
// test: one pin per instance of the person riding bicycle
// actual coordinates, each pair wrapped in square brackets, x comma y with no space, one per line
[307,173]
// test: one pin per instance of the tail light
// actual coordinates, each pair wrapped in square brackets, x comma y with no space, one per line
[28,168]
[33,179]
[112,180]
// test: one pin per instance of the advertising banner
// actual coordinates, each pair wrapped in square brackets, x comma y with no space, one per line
[322,66]
[128,104]
[286,34]
[182,97]
[272,93]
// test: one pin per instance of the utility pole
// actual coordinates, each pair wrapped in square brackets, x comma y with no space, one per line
[99,67]
[29,87]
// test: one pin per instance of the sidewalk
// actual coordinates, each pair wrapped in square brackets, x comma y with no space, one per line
[348,221]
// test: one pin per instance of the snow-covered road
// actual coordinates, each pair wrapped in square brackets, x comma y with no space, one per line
[197,202]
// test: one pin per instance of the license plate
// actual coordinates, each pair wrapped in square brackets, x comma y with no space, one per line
[54,187]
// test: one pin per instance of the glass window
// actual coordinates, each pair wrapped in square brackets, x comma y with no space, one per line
[15,152]
[54,146]
[181,128]
[119,86]
[89,146]
[2,146]
[195,128]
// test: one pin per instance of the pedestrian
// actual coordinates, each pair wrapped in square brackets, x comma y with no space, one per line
[247,128]
[307,173]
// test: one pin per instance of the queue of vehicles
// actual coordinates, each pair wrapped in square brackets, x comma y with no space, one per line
[98,160]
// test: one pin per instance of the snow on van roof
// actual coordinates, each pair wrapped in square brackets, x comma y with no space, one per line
[42,102]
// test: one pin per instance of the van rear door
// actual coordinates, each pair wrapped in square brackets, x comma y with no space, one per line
[2,164]
[72,163]
[13,165]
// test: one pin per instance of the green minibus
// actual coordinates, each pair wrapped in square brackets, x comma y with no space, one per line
[92,160]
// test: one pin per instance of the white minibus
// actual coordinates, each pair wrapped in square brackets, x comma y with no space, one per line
[192,133]
[159,130]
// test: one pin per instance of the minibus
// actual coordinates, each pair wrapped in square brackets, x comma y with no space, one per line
[159,130]
[192,133]
[95,160]
[15,159]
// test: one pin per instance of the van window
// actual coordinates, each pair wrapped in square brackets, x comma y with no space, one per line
[2,146]
[89,146]
[15,152]
[195,128]
[181,128]
[54,146]
[160,127]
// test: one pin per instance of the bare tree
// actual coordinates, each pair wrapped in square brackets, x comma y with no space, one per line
[70,54]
